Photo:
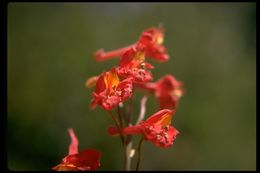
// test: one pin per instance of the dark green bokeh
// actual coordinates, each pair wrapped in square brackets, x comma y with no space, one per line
[213,51]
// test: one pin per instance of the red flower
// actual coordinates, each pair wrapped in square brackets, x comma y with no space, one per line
[110,91]
[151,40]
[86,160]
[156,129]
[132,64]
[167,90]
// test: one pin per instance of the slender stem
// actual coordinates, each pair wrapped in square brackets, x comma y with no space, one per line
[142,110]
[127,111]
[121,136]
[127,143]
[126,163]
[139,153]
[118,126]
[129,155]
[126,114]
[129,137]
[115,120]
[119,116]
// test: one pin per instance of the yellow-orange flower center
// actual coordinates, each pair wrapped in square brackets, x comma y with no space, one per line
[165,120]
[111,80]
[159,39]
[140,56]
[177,92]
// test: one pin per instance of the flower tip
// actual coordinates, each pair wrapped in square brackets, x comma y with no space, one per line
[98,55]
[178,93]
[163,58]
[73,148]
[113,131]
[92,106]
[91,82]
[171,111]
[70,130]
[177,132]
[166,57]
[168,111]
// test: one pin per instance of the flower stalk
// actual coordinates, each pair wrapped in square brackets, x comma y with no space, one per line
[115,87]
[139,154]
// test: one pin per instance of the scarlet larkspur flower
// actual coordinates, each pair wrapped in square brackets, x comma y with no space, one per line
[151,40]
[110,91]
[156,129]
[168,90]
[132,64]
[86,160]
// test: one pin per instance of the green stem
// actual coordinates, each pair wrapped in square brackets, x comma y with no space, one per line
[118,124]
[124,113]
[115,120]
[120,117]
[128,110]
[126,163]
[139,153]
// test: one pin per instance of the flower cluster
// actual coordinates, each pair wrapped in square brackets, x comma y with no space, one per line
[112,88]
[116,85]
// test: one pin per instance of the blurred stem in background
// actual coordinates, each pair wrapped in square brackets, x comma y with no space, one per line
[139,153]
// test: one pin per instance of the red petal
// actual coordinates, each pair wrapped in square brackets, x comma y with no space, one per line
[127,57]
[149,86]
[168,83]
[88,159]
[100,85]
[73,148]
[132,130]
[113,131]
[101,55]
[148,65]
[162,117]
[110,102]
[167,101]
[160,57]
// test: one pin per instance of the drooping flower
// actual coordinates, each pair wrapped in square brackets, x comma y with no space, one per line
[151,40]
[86,160]
[167,90]
[132,64]
[156,129]
[110,91]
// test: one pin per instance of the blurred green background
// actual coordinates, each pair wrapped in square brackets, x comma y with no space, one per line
[213,52]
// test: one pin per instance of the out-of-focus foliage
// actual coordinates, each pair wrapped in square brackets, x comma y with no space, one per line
[213,51]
